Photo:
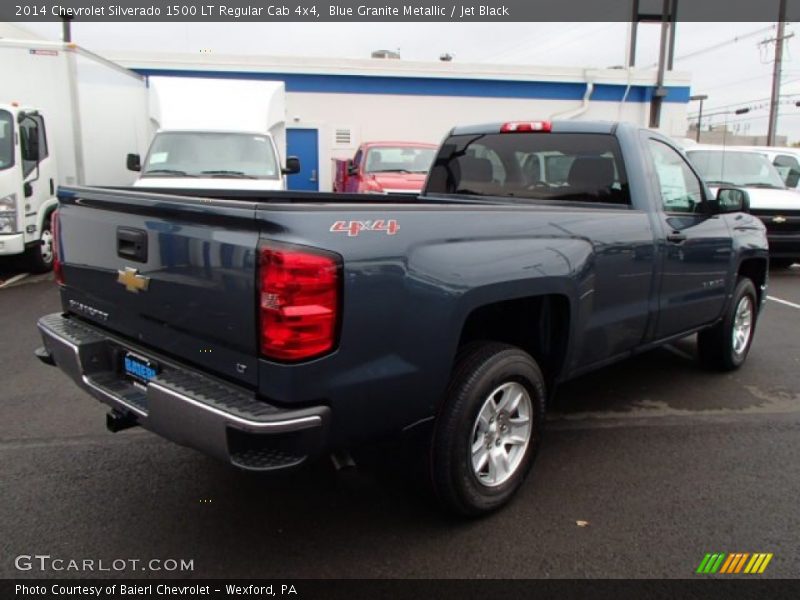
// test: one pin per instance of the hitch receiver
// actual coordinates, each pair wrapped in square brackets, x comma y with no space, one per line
[118,421]
[43,355]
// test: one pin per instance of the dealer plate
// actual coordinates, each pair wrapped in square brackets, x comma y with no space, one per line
[139,368]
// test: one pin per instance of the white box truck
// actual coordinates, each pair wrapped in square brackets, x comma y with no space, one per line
[216,134]
[67,116]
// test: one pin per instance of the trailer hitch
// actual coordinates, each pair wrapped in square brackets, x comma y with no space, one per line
[117,420]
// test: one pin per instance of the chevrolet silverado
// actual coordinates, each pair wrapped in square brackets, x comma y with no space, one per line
[267,329]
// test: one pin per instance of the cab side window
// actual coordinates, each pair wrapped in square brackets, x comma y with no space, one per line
[681,190]
[788,168]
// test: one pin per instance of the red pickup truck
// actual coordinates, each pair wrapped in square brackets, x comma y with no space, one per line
[385,168]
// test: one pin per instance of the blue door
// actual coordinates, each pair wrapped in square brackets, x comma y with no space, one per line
[304,144]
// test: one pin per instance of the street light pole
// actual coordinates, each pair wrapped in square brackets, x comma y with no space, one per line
[699,97]
[738,111]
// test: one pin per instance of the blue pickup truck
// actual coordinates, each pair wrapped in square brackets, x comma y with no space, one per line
[270,329]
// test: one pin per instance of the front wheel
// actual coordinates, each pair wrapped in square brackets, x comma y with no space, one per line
[725,346]
[40,256]
[488,430]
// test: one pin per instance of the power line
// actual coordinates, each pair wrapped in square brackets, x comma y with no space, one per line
[520,45]
[761,117]
[719,45]
[747,102]
[735,81]
[566,40]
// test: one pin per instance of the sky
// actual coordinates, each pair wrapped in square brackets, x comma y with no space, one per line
[730,62]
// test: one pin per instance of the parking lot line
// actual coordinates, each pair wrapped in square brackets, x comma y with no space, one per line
[12,280]
[781,301]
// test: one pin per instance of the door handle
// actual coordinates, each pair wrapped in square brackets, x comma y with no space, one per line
[676,238]
[313,175]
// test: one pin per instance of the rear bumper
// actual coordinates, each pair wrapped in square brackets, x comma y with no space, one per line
[183,405]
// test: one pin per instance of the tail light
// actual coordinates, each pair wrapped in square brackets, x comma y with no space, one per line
[58,270]
[299,302]
[526,127]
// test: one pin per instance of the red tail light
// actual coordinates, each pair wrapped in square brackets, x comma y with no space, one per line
[58,271]
[526,127]
[298,302]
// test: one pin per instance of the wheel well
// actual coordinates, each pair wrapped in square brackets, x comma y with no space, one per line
[49,214]
[755,269]
[539,325]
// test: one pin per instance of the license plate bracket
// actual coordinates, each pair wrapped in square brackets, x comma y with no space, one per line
[138,368]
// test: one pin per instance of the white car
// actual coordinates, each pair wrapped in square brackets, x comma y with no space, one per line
[770,200]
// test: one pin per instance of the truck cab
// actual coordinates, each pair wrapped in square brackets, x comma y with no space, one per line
[27,186]
[203,159]
[385,168]
[214,134]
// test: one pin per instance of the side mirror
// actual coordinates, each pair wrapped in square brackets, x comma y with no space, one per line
[352,168]
[27,189]
[292,165]
[730,200]
[133,162]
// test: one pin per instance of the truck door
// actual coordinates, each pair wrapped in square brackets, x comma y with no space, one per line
[353,181]
[38,174]
[695,248]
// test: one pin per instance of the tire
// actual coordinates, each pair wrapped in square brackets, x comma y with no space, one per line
[782,263]
[40,256]
[724,347]
[486,377]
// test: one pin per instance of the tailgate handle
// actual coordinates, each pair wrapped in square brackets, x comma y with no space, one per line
[132,244]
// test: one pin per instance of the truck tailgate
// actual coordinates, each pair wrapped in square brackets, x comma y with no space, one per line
[172,273]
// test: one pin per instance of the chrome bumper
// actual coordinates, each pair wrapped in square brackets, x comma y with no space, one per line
[183,405]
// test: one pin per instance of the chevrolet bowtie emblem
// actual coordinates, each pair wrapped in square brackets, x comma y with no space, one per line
[132,281]
[779,219]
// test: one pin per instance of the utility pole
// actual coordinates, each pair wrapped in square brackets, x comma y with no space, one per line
[776,75]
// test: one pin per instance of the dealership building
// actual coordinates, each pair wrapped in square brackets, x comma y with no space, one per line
[332,105]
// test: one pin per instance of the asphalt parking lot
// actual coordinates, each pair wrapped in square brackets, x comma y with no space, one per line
[665,462]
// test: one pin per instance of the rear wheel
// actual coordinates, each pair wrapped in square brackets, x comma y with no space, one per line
[725,346]
[489,429]
[40,256]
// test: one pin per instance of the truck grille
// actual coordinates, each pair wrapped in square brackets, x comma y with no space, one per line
[777,221]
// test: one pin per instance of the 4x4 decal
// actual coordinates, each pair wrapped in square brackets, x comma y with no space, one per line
[353,228]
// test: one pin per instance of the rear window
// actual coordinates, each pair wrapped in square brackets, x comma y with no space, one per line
[584,167]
